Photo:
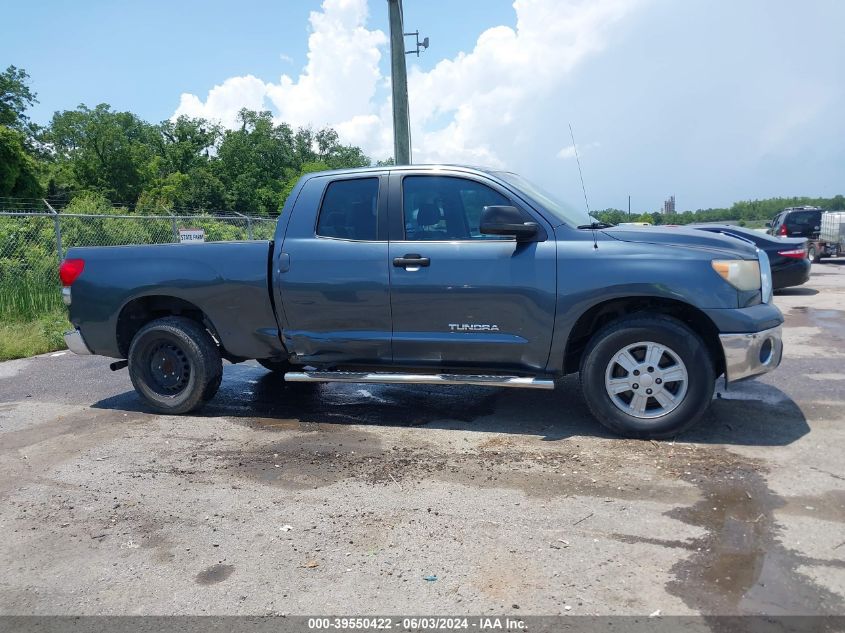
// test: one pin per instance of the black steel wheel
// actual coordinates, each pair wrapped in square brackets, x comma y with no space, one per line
[174,365]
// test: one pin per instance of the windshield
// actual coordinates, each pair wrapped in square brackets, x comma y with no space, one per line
[561,210]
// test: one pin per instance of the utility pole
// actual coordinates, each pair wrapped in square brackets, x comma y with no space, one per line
[629,207]
[399,82]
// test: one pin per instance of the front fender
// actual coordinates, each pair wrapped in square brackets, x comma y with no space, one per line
[589,276]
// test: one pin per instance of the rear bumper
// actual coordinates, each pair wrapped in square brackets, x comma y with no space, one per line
[791,274]
[75,343]
[751,354]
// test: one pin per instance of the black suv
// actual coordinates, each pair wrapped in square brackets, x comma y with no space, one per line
[797,222]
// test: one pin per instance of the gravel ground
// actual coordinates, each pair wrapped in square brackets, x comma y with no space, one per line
[321,499]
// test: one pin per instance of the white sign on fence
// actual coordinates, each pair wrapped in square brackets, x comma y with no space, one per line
[192,236]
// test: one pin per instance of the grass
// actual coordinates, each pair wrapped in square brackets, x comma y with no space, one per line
[32,317]
[19,339]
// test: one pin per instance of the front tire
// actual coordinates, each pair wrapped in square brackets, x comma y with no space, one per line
[813,255]
[647,376]
[175,365]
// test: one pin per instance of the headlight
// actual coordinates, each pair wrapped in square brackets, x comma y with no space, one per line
[765,275]
[742,274]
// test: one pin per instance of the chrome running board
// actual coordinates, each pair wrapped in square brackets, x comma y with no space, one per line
[524,382]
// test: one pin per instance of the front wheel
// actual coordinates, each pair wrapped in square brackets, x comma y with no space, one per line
[647,376]
[813,255]
[174,365]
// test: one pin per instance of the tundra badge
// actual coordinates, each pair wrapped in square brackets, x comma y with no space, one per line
[473,327]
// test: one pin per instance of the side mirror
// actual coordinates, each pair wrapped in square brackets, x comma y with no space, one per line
[769,224]
[505,220]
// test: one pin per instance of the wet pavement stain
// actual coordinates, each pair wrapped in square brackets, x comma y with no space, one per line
[214,574]
[739,566]
[831,325]
[265,401]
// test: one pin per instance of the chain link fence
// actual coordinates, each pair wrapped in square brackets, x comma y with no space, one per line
[32,243]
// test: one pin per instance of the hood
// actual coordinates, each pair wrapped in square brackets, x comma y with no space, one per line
[685,238]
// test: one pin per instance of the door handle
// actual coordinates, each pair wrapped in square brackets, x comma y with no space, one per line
[284,262]
[411,259]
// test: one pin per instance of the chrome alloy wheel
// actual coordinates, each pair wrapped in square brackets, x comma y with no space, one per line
[646,380]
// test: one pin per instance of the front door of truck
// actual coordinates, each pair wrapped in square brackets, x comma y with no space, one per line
[332,272]
[460,298]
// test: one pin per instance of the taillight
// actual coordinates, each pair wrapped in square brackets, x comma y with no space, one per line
[797,253]
[70,270]
[783,230]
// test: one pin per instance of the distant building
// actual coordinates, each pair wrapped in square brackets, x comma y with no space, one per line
[669,206]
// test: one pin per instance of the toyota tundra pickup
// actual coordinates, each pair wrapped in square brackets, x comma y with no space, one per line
[441,275]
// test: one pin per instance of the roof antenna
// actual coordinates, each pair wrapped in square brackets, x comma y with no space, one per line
[583,188]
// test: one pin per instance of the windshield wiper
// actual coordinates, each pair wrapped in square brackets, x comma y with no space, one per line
[595,225]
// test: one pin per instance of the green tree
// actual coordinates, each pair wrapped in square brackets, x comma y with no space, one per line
[19,166]
[182,174]
[186,144]
[18,169]
[103,150]
[252,161]
[15,98]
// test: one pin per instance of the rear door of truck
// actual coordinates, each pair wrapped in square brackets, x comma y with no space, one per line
[332,273]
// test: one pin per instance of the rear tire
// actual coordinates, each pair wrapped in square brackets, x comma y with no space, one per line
[647,376]
[813,255]
[175,365]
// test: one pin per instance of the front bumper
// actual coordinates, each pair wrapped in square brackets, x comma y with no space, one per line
[75,343]
[751,354]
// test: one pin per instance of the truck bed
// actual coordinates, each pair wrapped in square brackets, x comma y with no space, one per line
[227,281]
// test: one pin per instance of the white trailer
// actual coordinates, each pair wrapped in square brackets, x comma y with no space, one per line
[831,242]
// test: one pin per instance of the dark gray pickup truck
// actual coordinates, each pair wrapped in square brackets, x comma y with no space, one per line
[437,275]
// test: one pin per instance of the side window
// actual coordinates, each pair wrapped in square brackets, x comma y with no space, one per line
[446,208]
[349,210]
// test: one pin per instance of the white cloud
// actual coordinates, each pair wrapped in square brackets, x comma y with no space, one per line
[335,88]
[342,73]
[475,108]
[491,93]
[225,100]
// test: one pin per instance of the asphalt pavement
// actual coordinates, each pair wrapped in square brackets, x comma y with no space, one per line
[366,499]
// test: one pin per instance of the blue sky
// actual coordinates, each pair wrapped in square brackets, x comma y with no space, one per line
[141,56]
[710,100]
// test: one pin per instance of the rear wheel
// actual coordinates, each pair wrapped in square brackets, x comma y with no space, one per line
[175,365]
[813,254]
[647,376]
